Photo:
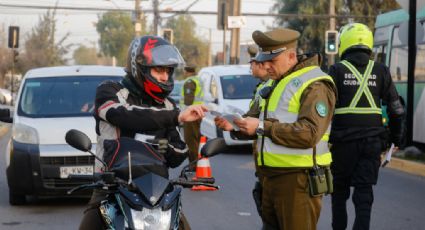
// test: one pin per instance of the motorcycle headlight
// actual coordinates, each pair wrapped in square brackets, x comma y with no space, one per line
[151,219]
[25,134]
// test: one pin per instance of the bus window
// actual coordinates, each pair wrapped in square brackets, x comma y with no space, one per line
[379,53]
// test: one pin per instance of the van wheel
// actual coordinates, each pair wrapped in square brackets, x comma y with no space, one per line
[16,199]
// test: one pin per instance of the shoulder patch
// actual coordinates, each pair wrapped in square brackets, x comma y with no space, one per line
[321,109]
[296,82]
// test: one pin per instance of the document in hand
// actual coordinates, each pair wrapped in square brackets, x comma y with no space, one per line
[388,156]
[229,117]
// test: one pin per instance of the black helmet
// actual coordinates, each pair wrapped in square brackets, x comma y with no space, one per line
[150,51]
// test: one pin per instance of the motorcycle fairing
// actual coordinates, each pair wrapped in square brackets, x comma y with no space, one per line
[152,187]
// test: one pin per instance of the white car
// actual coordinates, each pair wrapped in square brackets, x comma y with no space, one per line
[227,89]
[50,102]
[5,97]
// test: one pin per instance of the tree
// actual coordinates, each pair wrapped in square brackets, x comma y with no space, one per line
[193,49]
[5,57]
[85,56]
[116,33]
[313,30]
[41,48]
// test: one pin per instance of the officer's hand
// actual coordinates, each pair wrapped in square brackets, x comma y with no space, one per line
[248,125]
[192,113]
[223,124]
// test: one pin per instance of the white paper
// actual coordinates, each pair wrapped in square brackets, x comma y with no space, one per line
[388,156]
[229,117]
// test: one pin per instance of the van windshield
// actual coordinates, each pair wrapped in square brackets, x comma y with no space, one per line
[238,86]
[70,96]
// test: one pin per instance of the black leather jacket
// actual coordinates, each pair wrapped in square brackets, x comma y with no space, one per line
[120,111]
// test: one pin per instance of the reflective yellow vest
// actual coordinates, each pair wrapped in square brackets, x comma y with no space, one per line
[257,96]
[199,94]
[284,105]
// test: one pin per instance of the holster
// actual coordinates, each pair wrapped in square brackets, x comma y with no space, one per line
[257,195]
[320,179]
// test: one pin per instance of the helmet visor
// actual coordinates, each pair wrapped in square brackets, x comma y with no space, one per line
[164,55]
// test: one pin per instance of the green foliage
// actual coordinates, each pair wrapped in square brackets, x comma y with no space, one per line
[313,29]
[85,56]
[116,33]
[193,49]
[41,46]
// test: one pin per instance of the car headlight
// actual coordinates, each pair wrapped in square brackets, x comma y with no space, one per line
[25,134]
[151,219]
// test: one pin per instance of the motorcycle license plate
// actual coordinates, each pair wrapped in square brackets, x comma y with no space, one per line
[75,170]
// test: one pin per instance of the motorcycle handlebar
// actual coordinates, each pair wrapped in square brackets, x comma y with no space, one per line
[190,184]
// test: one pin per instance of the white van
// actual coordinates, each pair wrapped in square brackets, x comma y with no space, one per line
[50,102]
[227,89]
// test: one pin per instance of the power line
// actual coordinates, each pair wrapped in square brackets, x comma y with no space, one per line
[314,16]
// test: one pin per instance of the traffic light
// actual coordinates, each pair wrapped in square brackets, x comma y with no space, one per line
[331,41]
[167,34]
[15,56]
[13,37]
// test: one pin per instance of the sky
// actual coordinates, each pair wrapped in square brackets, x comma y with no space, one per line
[81,24]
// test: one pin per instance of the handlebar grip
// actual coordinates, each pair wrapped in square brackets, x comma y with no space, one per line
[205,180]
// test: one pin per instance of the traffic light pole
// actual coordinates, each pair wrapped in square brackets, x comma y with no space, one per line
[331,57]
[12,71]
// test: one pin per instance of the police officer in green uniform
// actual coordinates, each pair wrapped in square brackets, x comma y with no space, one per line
[358,137]
[294,122]
[259,72]
[191,95]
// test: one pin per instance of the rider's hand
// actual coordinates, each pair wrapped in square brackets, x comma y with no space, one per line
[192,113]
[223,124]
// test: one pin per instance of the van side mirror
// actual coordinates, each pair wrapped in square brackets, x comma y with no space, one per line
[5,116]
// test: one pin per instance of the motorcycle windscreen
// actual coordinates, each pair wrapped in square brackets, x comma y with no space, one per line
[144,159]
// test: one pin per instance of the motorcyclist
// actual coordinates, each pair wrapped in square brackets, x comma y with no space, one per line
[138,107]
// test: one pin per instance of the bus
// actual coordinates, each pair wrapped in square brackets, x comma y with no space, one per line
[390,47]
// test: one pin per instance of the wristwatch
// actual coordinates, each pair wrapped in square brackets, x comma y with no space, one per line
[260,129]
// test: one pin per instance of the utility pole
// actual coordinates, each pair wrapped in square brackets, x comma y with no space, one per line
[156,16]
[209,47]
[331,57]
[138,19]
[235,34]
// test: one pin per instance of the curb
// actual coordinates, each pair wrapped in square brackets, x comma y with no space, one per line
[407,166]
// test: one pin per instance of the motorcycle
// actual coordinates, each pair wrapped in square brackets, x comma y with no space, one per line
[139,194]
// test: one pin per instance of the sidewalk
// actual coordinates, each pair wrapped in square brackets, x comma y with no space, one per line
[407,166]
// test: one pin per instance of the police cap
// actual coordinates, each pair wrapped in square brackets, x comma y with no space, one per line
[272,43]
[190,69]
[252,51]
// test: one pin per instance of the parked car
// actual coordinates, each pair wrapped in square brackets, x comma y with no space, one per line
[5,97]
[50,102]
[176,93]
[227,89]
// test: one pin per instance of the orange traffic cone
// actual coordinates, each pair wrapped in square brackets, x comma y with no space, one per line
[203,169]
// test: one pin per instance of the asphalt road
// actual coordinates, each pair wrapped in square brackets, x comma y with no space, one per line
[399,202]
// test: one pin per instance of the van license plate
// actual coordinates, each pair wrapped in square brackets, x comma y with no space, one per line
[75,170]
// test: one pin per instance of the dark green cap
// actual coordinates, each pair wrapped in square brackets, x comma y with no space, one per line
[272,43]
[190,69]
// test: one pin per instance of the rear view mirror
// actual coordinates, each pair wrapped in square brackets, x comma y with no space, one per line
[5,116]
[78,140]
[213,147]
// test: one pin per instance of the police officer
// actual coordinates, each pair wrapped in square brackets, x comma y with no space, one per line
[192,95]
[293,123]
[138,107]
[259,72]
[358,136]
